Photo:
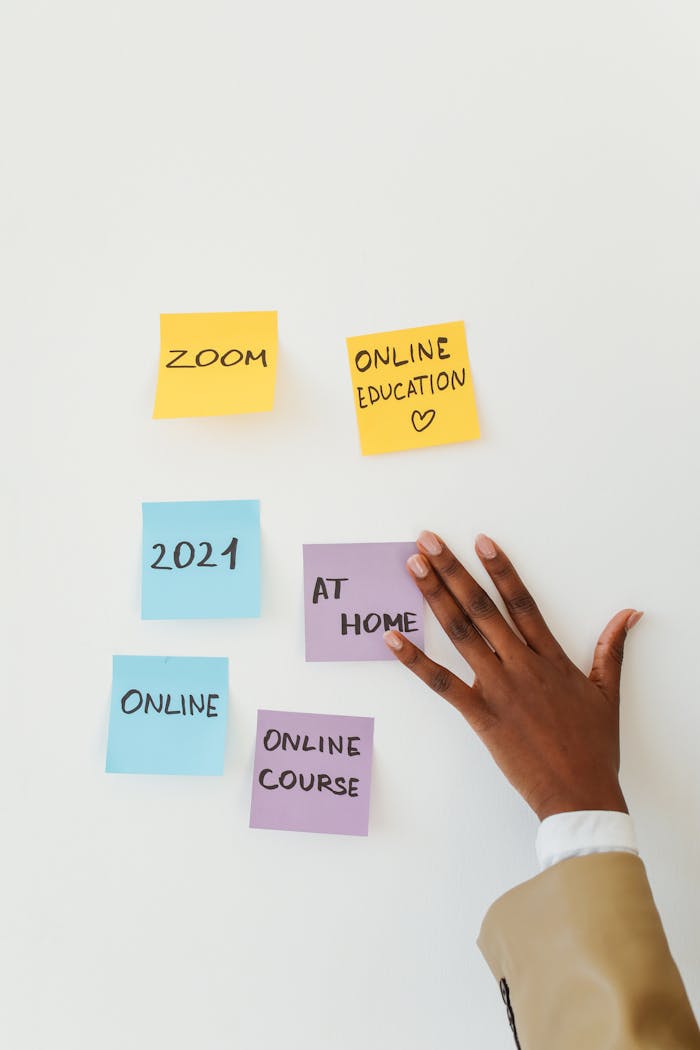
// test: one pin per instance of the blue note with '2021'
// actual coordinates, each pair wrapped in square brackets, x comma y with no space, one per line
[200,560]
[168,715]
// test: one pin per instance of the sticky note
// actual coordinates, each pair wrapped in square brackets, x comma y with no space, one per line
[413,388]
[353,593]
[168,715]
[312,773]
[200,559]
[216,364]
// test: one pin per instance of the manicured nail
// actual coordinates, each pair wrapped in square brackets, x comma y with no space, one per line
[418,566]
[633,619]
[485,547]
[393,640]
[429,542]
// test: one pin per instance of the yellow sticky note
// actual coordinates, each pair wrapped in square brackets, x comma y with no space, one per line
[216,364]
[413,388]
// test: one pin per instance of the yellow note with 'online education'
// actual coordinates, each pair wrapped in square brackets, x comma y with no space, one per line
[216,364]
[413,388]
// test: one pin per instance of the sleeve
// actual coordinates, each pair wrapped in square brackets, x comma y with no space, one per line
[585,831]
[582,960]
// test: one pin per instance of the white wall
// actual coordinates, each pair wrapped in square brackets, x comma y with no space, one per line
[529,168]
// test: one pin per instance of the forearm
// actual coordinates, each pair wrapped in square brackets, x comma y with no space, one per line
[585,961]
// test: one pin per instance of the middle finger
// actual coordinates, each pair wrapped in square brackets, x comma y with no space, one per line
[476,602]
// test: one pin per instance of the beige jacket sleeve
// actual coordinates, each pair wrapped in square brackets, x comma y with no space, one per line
[583,962]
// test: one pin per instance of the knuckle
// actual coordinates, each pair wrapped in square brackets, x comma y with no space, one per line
[501,569]
[616,653]
[460,629]
[480,605]
[451,568]
[489,721]
[440,681]
[522,604]
[434,591]
[413,658]
[483,720]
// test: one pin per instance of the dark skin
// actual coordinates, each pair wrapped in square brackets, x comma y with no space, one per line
[552,730]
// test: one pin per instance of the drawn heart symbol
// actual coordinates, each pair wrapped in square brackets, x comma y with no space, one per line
[422,420]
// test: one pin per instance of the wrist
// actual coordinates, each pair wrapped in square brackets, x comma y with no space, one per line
[611,800]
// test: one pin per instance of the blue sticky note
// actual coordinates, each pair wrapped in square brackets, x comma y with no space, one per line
[168,715]
[200,560]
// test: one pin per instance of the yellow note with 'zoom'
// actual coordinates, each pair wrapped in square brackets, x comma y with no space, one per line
[216,364]
[413,388]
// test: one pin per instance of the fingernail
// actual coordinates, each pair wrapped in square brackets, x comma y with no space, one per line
[418,566]
[393,640]
[429,542]
[485,547]
[633,619]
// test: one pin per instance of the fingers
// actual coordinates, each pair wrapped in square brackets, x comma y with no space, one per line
[477,604]
[519,602]
[457,625]
[440,680]
[607,659]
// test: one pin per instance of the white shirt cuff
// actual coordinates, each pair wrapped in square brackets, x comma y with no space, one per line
[585,831]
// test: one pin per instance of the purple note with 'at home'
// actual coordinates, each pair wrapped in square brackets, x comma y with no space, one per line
[312,772]
[353,593]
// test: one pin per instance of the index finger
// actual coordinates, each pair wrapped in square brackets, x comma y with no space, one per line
[465,698]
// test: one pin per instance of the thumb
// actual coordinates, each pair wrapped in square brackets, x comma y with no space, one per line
[607,659]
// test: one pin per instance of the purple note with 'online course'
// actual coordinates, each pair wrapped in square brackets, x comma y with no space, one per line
[312,772]
[353,593]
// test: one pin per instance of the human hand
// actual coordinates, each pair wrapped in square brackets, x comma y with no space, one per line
[552,731]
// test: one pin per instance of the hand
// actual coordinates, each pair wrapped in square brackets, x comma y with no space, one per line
[553,731]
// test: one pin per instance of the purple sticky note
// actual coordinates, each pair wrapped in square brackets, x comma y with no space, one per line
[312,773]
[353,593]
